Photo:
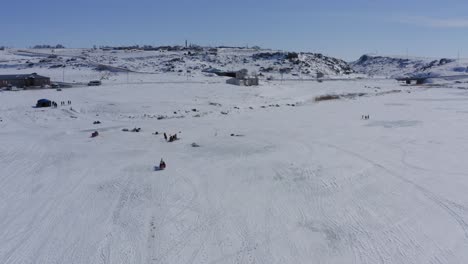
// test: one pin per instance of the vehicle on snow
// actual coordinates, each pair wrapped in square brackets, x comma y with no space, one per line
[94,83]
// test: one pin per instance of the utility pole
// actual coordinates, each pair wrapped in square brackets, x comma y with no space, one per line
[63,73]
[300,56]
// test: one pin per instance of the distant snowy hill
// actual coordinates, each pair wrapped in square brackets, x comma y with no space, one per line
[392,66]
[192,61]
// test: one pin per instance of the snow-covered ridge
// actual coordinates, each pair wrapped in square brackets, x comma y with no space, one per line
[194,61]
[393,66]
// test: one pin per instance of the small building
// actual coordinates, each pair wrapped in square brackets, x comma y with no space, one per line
[24,80]
[44,103]
[412,80]
[242,78]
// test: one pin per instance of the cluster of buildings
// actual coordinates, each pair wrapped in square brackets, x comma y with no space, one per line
[242,78]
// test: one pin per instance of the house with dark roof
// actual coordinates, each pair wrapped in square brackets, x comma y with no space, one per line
[24,80]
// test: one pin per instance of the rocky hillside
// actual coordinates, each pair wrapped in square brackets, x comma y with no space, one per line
[199,60]
[398,66]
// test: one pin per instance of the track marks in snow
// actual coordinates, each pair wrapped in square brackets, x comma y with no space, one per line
[451,208]
[334,204]
[178,222]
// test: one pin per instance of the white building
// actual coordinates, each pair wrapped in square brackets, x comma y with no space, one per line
[243,79]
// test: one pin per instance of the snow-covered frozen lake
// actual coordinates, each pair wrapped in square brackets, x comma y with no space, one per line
[309,183]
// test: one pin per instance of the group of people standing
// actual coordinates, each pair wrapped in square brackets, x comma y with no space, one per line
[171,137]
[54,104]
[365,117]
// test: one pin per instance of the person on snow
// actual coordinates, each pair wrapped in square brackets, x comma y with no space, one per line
[165,136]
[162,164]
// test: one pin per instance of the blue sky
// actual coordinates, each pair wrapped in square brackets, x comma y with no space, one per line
[340,28]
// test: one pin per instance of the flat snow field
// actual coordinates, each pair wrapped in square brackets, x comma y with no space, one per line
[309,183]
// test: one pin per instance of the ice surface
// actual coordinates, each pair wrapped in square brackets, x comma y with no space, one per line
[309,183]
